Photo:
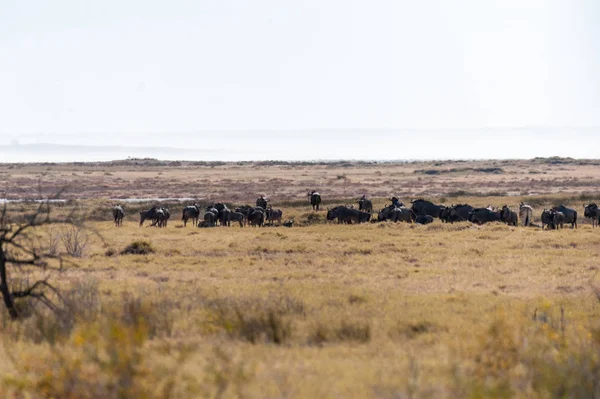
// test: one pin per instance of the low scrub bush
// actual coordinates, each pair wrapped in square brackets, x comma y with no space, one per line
[138,248]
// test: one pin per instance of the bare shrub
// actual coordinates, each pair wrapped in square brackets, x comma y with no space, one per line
[74,239]
[345,331]
[52,242]
[138,248]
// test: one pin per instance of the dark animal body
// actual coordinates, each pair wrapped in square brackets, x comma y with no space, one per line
[422,207]
[508,216]
[118,215]
[592,212]
[315,199]
[365,205]
[484,215]
[262,202]
[396,214]
[343,214]
[424,219]
[274,215]
[151,214]
[190,212]
[456,213]
[570,215]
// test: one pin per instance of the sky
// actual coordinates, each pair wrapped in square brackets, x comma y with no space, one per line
[310,79]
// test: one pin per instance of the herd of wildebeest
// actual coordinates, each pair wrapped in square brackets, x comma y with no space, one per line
[420,211]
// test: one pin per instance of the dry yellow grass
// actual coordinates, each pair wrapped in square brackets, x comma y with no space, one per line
[325,310]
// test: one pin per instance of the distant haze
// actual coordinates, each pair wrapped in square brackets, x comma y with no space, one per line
[272,79]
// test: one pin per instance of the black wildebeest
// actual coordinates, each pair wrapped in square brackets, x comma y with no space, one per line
[456,213]
[570,215]
[273,215]
[315,199]
[558,219]
[548,219]
[210,219]
[422,207]
[256,217]
[190,212]
[149,214]
[365,204]
[508,216]
[236,217]
[591,211]
[424,219]
[526,214]
[118,215]
[396,214]
[348,215]
[262,202]
[484,215]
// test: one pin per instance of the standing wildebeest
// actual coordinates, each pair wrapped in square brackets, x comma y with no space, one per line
[236,217]
[262,202]
[210,218]
[347,215]
[526,214]
[558,219]
[118,215]
[190,212]
[161,218]
[424,219]
[591,211]
[365,204]
[570,215]
[548,219]
[508,216]
[149,214]
[315,199]
[273,215]
[484,215]
[422,207]
[256,217]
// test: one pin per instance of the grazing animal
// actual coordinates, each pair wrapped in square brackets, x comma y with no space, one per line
[558,219]
[396,214]
[365,205]
[570,215]
[424,219]
[256,218]
[262,202]
[149,214]
[508,216]
[190,212]
[484,215]
[209,219]
[422,207]
[118,215]
[526,214]
[344,214]
[237,217]
[591,211]
[315,199]
[548,219]
[273,215]
[456,213]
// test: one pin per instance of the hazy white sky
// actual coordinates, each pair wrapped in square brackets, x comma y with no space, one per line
[171,73]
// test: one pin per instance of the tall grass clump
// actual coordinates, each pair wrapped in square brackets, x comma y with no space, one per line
[138,248]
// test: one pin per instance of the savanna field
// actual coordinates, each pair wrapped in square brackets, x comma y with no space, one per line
[319,310]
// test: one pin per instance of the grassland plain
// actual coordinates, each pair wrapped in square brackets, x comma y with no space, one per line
[320,310]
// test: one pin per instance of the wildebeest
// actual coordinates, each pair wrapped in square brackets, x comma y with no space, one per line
[422,207]
[591,211]
[273,215]
[210,219]
[166,217]
[149,214]
[118,215]
[396,214]
[526,214]
[256,217]
[190,212]
[484,215]
[508,216]
[365,204]
[262,202]
[455,213]
[161,218]
[558,219]
[548,219]
[570,215]
[236,217]
[424,219]
[315,199]
[347,215]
